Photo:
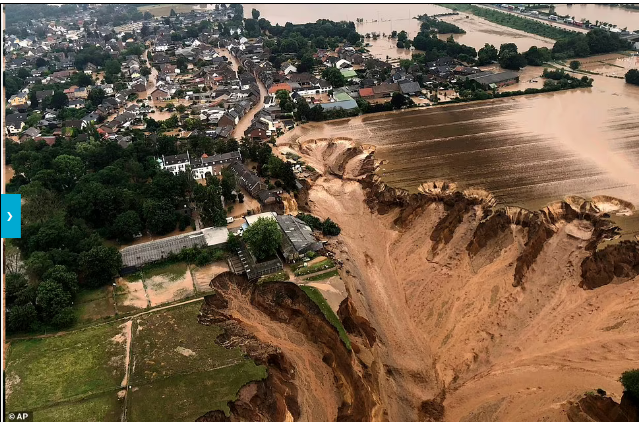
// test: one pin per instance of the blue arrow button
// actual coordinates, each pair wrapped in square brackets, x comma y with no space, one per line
[11,217]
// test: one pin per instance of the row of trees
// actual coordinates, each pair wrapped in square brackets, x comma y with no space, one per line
[429,24]
[327,227]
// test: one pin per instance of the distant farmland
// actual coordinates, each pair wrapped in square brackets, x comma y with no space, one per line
[165,9]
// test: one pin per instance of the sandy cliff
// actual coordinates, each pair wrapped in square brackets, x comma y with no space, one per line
[461,310]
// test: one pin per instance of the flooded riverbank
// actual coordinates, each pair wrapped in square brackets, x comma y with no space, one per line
[385,18]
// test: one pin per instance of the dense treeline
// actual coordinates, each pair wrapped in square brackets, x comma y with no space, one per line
[21,13]
[428,24]
[512,21]
[435,48]
[79,193]
[327,227]
[597,41]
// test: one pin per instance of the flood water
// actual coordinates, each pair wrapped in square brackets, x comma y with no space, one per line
[527,151]
[385,18]
[603,13]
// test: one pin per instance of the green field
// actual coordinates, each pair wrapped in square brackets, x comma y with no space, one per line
[165,9]
[319,266]
[100,408]
[177,357]
[317,297]
[323,276]
[173,271]
[178,372]
[42,372]
[512,21]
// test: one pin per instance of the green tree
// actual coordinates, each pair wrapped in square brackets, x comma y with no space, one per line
[405,63]
[255,13]
[509,58]
[630,382]
[398,100]
[51,299]
[330,228]
[402,36]
[68,170]
[65,318]
[263,238]
[181,108]
[632,77]
[160,216]
[96,96]
[21,318]
[334,77]
[38,263]
[209,202]
[126,226]
[61,275]
[59,100]
[112,67]
[537,56]
[172,13]
[233,242]
[575,64]
[100,265]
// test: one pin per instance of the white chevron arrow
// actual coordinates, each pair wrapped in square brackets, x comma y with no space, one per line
[10,216]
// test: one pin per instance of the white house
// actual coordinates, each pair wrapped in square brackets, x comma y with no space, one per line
[287,67]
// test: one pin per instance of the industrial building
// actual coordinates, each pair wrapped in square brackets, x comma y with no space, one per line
[136,256]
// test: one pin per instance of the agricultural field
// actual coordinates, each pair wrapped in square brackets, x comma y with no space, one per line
[174,356]
[79,372]
[169,355]
[165,9]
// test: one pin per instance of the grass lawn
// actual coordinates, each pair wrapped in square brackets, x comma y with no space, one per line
[100,408]
[173,271]
[95,304]
[323,276]
[319,266]
[278,276]
[186,397]
[41,372]
[176,357]
[317,297]
[173,342]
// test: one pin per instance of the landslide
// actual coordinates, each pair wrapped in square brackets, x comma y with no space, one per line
[311,374]
[598,408]
[481,312]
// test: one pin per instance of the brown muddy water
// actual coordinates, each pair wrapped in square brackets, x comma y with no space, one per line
[385,18]
[528,151]
[602,13]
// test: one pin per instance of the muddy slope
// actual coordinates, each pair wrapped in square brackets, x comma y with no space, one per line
[603,409]
[312,375]
[480,312]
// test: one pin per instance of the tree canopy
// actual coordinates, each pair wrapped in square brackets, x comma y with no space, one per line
[263,238]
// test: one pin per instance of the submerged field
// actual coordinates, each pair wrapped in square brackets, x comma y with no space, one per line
[160,355]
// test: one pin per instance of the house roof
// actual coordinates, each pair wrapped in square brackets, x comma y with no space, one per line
[273,89]
[366,92]
[488,78]
[409,87]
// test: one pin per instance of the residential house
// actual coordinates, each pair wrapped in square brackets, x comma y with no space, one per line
[19,99]
[14,123]
[79,103]
[160,94]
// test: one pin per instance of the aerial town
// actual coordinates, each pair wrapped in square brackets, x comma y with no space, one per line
[408,213]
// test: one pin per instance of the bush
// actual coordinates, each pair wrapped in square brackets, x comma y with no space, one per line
[575,64]
[330,228]
[64,319]
[632,77]
[630,382]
